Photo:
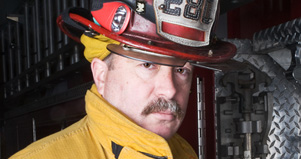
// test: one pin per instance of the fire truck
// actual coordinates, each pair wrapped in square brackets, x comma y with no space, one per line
[248,107]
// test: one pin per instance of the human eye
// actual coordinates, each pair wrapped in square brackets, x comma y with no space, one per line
[183,70]
[180,70]
[149,65]
[146,70]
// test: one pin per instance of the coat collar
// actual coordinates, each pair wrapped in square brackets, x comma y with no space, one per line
[105,120]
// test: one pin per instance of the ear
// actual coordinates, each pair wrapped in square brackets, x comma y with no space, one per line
[99,70]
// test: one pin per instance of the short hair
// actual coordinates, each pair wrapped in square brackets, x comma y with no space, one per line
[109,61]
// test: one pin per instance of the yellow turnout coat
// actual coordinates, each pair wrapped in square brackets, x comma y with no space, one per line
[105,133]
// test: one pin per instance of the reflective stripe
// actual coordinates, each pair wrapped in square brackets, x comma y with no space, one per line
[116,149]
[183,32]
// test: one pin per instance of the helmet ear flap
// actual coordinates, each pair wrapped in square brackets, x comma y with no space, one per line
[114,16]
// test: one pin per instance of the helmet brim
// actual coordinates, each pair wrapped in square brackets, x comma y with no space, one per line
[145,56]
[217,51]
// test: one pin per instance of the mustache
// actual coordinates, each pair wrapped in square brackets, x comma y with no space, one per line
[161,104]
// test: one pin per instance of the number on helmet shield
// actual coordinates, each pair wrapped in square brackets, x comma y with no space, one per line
[192,9]
[168,10]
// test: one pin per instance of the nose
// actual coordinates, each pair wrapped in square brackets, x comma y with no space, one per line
[165,84]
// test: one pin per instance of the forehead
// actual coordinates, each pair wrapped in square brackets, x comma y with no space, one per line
[121,60]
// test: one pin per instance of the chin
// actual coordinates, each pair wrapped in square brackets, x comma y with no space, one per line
[166,137]
[165,129]
[166,134]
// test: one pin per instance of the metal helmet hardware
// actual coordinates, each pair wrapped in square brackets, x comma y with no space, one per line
[175,28]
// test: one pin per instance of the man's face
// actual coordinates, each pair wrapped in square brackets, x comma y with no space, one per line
[154,96]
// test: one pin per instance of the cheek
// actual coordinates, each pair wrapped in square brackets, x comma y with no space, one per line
[183,101]
[138,92]
[127,92]
[182,96]
[114,88]
[129,95]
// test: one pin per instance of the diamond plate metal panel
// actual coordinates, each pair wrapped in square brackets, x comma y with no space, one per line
[284,139]
[277,36]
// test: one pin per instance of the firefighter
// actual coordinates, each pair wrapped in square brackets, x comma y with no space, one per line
[142,55]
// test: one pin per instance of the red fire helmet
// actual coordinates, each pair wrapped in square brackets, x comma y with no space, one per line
[152,30]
